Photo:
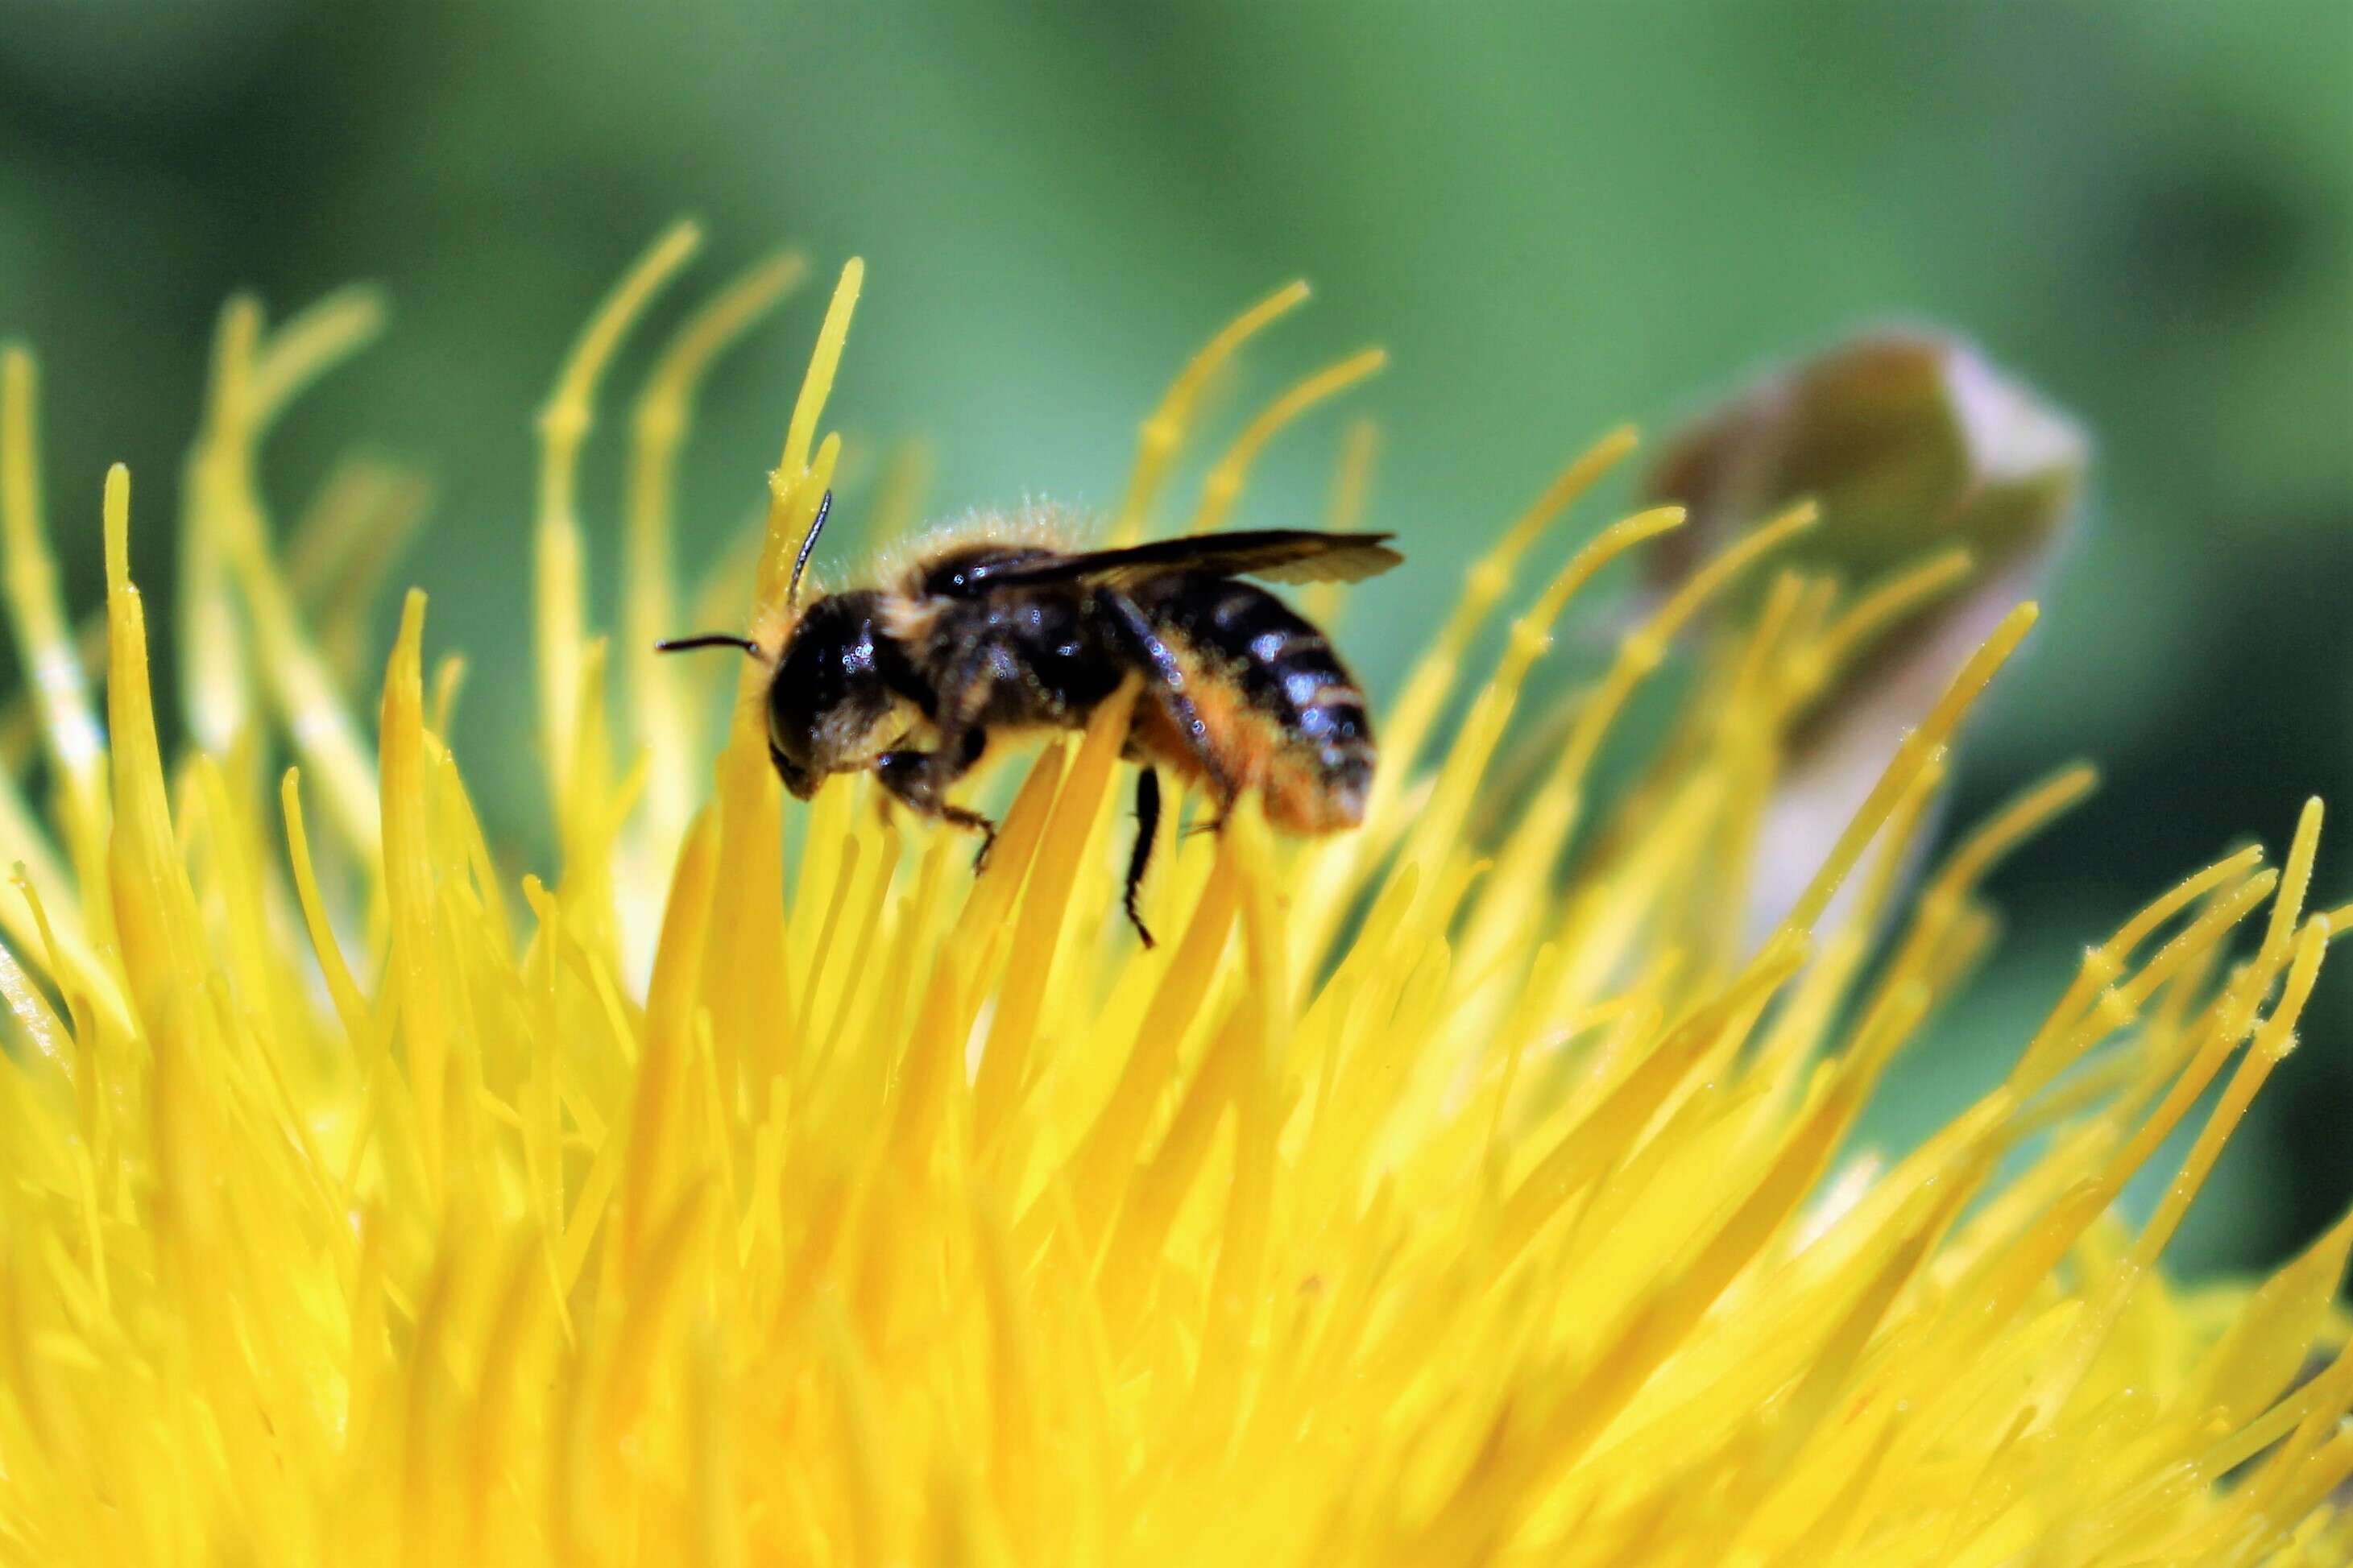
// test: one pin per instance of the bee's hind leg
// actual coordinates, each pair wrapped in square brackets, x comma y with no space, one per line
[1147,828]
[1164,684]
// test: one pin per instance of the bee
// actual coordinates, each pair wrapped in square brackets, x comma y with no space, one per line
[978,636]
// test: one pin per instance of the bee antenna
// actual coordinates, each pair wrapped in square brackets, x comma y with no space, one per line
[708,639]
[809,543]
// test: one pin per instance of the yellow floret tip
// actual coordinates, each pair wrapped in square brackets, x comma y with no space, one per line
[759,1185]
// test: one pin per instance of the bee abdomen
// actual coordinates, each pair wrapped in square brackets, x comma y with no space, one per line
[1319,705]
[1318,765]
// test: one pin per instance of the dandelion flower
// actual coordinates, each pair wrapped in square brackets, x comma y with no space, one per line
[1424,1198]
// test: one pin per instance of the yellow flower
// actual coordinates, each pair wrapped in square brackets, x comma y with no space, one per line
[1415,1202]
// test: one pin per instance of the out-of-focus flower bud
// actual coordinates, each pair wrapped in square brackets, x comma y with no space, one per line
[1911,443]
[1908,440]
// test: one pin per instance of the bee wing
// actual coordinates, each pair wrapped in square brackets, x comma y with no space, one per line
[1279,556]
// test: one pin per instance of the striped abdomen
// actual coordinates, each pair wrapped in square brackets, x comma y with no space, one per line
[1284,716]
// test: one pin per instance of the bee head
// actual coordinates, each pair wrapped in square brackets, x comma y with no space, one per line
[829,709]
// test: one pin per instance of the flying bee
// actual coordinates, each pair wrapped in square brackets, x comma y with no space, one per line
[981,635]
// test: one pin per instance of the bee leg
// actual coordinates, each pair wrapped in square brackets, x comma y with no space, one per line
[1164,680]
[977,824]
[967,753]
[918,779]
[1147,824]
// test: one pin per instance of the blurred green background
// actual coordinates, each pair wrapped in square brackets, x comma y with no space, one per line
[1554,217]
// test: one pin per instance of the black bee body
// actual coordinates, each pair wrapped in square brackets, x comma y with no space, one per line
[1041,654]
[1240,691]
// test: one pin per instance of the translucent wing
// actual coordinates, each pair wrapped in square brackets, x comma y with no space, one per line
[1279,556]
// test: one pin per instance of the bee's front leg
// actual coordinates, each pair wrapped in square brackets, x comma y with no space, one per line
[920,780]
